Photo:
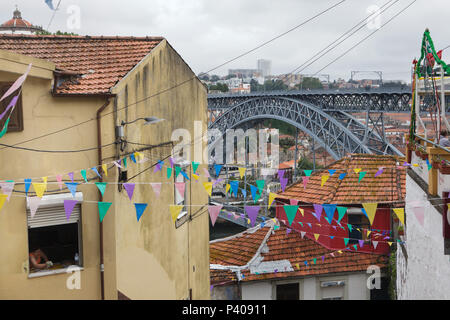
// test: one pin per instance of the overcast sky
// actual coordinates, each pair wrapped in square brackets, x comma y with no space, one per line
[209,32]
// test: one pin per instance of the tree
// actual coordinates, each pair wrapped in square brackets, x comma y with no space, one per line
[219,87]
[215,78]
[310,83]
[57,33]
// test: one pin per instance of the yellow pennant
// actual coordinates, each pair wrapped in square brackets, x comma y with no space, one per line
[368,232]
[415,165]
[316,236]
[297,265]
[400,212]
[242,172]
[175,212]
[248,221]
[302,212]
[357,170]
[45,179]
[208,187]
[340,251]
[105,169]
[227,188]
[272,197]
[3,198]
[324,179]
[274,220]
[390,243]
[371,210]
[196,177]
[39,188]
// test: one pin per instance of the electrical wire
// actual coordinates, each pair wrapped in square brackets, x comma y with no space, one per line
[364,39]
[183,82]
[57,151]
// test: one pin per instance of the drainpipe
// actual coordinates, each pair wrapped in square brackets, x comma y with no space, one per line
[99,153]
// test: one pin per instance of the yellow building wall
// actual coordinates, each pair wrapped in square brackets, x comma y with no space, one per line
[169,262]
[43,114]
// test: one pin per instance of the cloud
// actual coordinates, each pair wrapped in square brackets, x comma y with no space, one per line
[207,33]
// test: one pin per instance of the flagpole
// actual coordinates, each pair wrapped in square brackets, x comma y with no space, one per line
[53,16]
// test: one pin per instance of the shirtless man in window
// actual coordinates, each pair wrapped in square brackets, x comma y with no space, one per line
[36,258]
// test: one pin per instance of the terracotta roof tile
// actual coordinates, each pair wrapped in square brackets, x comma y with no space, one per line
[100,61]
[387,187]
[283,246]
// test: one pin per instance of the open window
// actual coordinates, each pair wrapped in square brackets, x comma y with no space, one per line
[56,236]
[16,120]
[288,291]
[358,220]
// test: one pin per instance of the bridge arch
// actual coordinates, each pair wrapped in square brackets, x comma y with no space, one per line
[331,132]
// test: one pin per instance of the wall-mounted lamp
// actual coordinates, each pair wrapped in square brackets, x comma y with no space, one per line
[148,120]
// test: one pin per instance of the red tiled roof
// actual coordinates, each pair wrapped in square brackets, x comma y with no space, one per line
[287,165]
[387,187]
[283,246]
[17,23]
[101,62]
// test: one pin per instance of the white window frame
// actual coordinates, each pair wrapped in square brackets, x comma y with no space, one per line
[57,201]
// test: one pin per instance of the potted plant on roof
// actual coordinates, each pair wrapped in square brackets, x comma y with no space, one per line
[444,167]
[401,231]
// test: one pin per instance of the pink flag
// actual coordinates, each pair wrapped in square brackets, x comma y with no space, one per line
[34,205]
[206,173]
[305,181]
[181,187]
[156,188]
[293,202]
[214,213]
[7,188]
[59,179]
[129,187]
[419,212]
[16,85]
[11,105]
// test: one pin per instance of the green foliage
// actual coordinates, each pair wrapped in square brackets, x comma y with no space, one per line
[269,85]
[219,86]
[306,164]
[57,33]
[286,143]
[310,83]
[392,272]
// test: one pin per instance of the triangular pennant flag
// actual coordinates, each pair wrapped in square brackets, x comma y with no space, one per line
[172,162]
[260,184]
[371,210]
[324,180]
[375,244]
[357,170]
[341,213]
[316,236]
[281,174]
[214,213]
[253,190]
[105,169]
[356,247]
[185,175]
[59,180]
[101,186]
[129,187]
[156,188]
[133,158]
[103,208]
[39,188]
[350,227]
[307,172]
[342,176]
[302,234]
[419,212]
[177,171]
[84,175]
[361,243]
[288,231]
[227,188]
[140,208]
[7,188]
[234,187]
[315,260]
[309,224]
[252,212]
[346,241]
[400,213]
[368,233]
[244,193]
[242,172]
[218,168]
[181,187]
[379,172]
[72,186]
[69,205]
[362,175]
[117,164]
[331,237]
[124,162]
[283,182]
[169,173]
[207,175]
[331,172]
[291,212]
[305,181]
[272,197]
[329,211]
[208,187]
[2,200]
[96,171]
[34,203]
[390,243]
[27,186]
[318,211]
[175,212]
[195,166]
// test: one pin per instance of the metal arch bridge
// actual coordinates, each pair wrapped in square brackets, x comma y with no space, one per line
[323,114]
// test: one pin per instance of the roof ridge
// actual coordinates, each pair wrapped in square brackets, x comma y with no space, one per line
[81,37]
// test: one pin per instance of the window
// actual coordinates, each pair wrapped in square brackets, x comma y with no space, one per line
[332,289]
[181,199]
[357,219]
[288,291]
[16,121]
[50,231]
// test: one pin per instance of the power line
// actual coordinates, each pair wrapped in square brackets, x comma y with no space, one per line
[57,151]
[371,34]
[183,82]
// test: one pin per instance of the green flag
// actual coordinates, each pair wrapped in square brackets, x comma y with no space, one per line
[260,184]
[341,211]
[291,212]
[101,186]
[169,173]
[5,128]
[177,171]
[195,166]
[103,208]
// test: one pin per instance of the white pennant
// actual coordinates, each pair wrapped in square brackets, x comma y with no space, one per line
[34,203]
[303,234]
[375,244]
[7,188]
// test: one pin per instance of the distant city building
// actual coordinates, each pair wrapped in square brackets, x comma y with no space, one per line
[265,67]
[19,25]
[244,73]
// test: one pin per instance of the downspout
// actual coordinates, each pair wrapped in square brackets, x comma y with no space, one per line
[99,154]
